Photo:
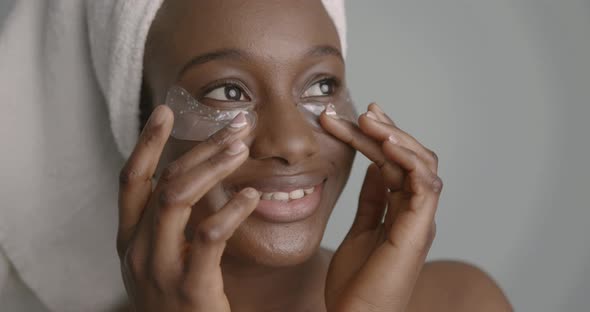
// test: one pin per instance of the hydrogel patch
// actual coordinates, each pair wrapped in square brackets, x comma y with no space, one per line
[312,110]
[196,121]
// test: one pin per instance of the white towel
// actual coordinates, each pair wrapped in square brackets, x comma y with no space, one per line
[60,62]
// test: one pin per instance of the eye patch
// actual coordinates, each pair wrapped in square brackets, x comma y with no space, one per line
[196,121]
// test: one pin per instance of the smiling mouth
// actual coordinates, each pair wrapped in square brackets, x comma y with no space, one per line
[287,196]
[286,199]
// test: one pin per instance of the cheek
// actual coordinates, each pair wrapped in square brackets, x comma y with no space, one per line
[339,154]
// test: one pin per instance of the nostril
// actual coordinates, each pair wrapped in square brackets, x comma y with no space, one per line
[286,147]
[284,134]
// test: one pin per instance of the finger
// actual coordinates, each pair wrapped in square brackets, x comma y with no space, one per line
[350,134]
[174,200]
[364,235]
[236,130]
[372,203]
[381,115]
[135,184]
[212,234]
[394,266]
[396,202]
[380,131]
[188,188]
[422,181]
[417,202]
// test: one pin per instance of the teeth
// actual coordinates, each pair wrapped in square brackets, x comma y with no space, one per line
[280,196]
[283,196]
[296,194]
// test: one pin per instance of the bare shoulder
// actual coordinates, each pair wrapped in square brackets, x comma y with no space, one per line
[456,286]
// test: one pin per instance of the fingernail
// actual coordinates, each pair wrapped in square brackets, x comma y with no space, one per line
[235,148]
[371,115]
[251,193]
[330,111]
[392,139]
[239,121]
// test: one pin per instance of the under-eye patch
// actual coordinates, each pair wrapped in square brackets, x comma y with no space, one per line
[311,109]
[196,121]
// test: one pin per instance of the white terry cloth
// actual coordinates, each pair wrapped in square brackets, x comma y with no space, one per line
[61,61]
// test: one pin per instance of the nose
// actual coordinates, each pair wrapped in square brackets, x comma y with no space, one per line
[283,133]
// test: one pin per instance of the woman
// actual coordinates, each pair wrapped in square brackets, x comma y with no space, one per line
[216,232]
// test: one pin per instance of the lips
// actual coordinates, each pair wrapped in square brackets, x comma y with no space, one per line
[276,211]
[280,183]
[286,199]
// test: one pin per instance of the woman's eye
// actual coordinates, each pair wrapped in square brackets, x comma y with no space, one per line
[320,88]
[228,93]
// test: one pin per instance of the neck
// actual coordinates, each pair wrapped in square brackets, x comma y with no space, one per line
[254,287]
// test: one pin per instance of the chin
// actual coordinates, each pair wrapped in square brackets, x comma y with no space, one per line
[277,244]
[283,233]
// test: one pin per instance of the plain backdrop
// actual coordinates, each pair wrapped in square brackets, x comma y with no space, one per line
[501,91]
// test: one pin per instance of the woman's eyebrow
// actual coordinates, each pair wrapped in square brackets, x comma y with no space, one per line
[235,54]
[325,50]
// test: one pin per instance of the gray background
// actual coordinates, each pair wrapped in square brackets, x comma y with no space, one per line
[500,90]
[5,6]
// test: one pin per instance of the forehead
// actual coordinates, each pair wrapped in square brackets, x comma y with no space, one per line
[266,28]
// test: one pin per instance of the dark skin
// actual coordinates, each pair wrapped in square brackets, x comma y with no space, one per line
[191,242]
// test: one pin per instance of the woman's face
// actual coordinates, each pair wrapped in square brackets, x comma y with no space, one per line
[272,54]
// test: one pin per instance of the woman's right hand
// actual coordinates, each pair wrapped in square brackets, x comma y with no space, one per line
[162,270]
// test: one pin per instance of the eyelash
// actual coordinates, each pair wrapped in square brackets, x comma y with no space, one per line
[223,83]
[325,78]
[232,83]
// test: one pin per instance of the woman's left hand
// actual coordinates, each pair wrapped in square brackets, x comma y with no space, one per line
[377,265]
